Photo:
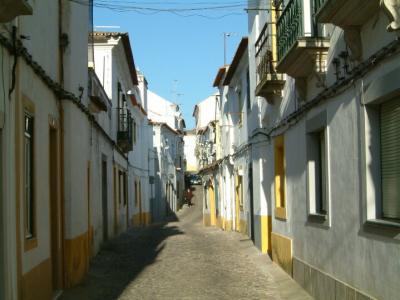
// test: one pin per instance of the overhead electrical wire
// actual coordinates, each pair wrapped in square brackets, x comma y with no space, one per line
[209,9]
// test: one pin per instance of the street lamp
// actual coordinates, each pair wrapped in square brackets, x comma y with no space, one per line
[226,35]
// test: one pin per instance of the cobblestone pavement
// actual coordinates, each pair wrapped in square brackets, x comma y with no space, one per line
[184,260]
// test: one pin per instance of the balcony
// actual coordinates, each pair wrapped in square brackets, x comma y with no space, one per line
[345,13]
[99,101]
[124,135]
[269,82]
[302,45]
[9,9]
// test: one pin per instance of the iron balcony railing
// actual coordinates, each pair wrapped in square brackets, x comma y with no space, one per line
[290,26]
[124,135]
[318,4]
[264,57]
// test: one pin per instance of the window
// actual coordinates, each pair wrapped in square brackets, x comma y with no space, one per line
[140,194]
[390,158]
[134,131]
[317,171]
[380,125]
[317,168]
[248,91]
[280,200]
[121,187]
[136,194]
[125,188]
[28,177]
[120,94]
[240,110]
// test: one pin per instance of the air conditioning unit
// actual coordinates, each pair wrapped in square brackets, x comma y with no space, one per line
[9,9]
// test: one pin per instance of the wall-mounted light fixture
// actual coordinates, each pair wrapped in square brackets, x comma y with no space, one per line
[336,62]
[344,55]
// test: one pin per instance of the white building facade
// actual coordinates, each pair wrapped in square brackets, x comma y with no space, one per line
[313,143]
[189,151]
[168,127]
[75,146]
[331,117]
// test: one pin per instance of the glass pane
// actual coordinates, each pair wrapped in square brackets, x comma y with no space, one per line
[390,158]
[28,188]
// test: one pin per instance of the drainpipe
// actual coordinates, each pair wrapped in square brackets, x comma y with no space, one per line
[61,128]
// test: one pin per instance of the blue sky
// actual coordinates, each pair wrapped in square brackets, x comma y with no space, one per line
[177,53]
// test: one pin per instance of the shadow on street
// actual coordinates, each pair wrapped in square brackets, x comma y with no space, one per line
[121,260]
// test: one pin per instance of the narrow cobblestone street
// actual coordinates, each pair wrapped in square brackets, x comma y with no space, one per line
[184,260]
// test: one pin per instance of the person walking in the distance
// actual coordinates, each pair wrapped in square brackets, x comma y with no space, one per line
[189,196]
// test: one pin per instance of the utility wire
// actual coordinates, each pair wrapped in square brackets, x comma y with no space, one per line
[190,9]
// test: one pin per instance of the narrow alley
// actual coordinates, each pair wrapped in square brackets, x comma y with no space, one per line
[278,119]
[184,260]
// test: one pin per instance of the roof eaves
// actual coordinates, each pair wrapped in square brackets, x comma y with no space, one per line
[127,48]
[220,76]
[236,60]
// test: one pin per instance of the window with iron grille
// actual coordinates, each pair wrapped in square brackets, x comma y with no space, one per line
[28,177]
[317,147]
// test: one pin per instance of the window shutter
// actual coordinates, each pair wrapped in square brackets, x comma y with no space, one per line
[390,158]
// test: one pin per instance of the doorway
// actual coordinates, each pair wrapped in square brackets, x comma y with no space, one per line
[252,234]
[216,196]
[56,212]
[141,221]
[167,199]
[2,271]
[212,204]
[239,200]
[104,198]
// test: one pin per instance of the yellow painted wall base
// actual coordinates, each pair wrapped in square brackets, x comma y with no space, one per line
[220,222]
[76,259]
[243,227]
[282,252]
[227,225]
[136,220]
[206,220]
[37,283]
[147,218]
[266,227]
[141,219]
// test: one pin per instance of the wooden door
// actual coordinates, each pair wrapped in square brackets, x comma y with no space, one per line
[141,221]
[104,198]
[212,205]
[238,195]
[251,195]
[55,213]
[2,271]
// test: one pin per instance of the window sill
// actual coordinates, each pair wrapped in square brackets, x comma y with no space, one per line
[320,220]
[383,228]
[280,213]
[315,217]
[383,224]
[30,244]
